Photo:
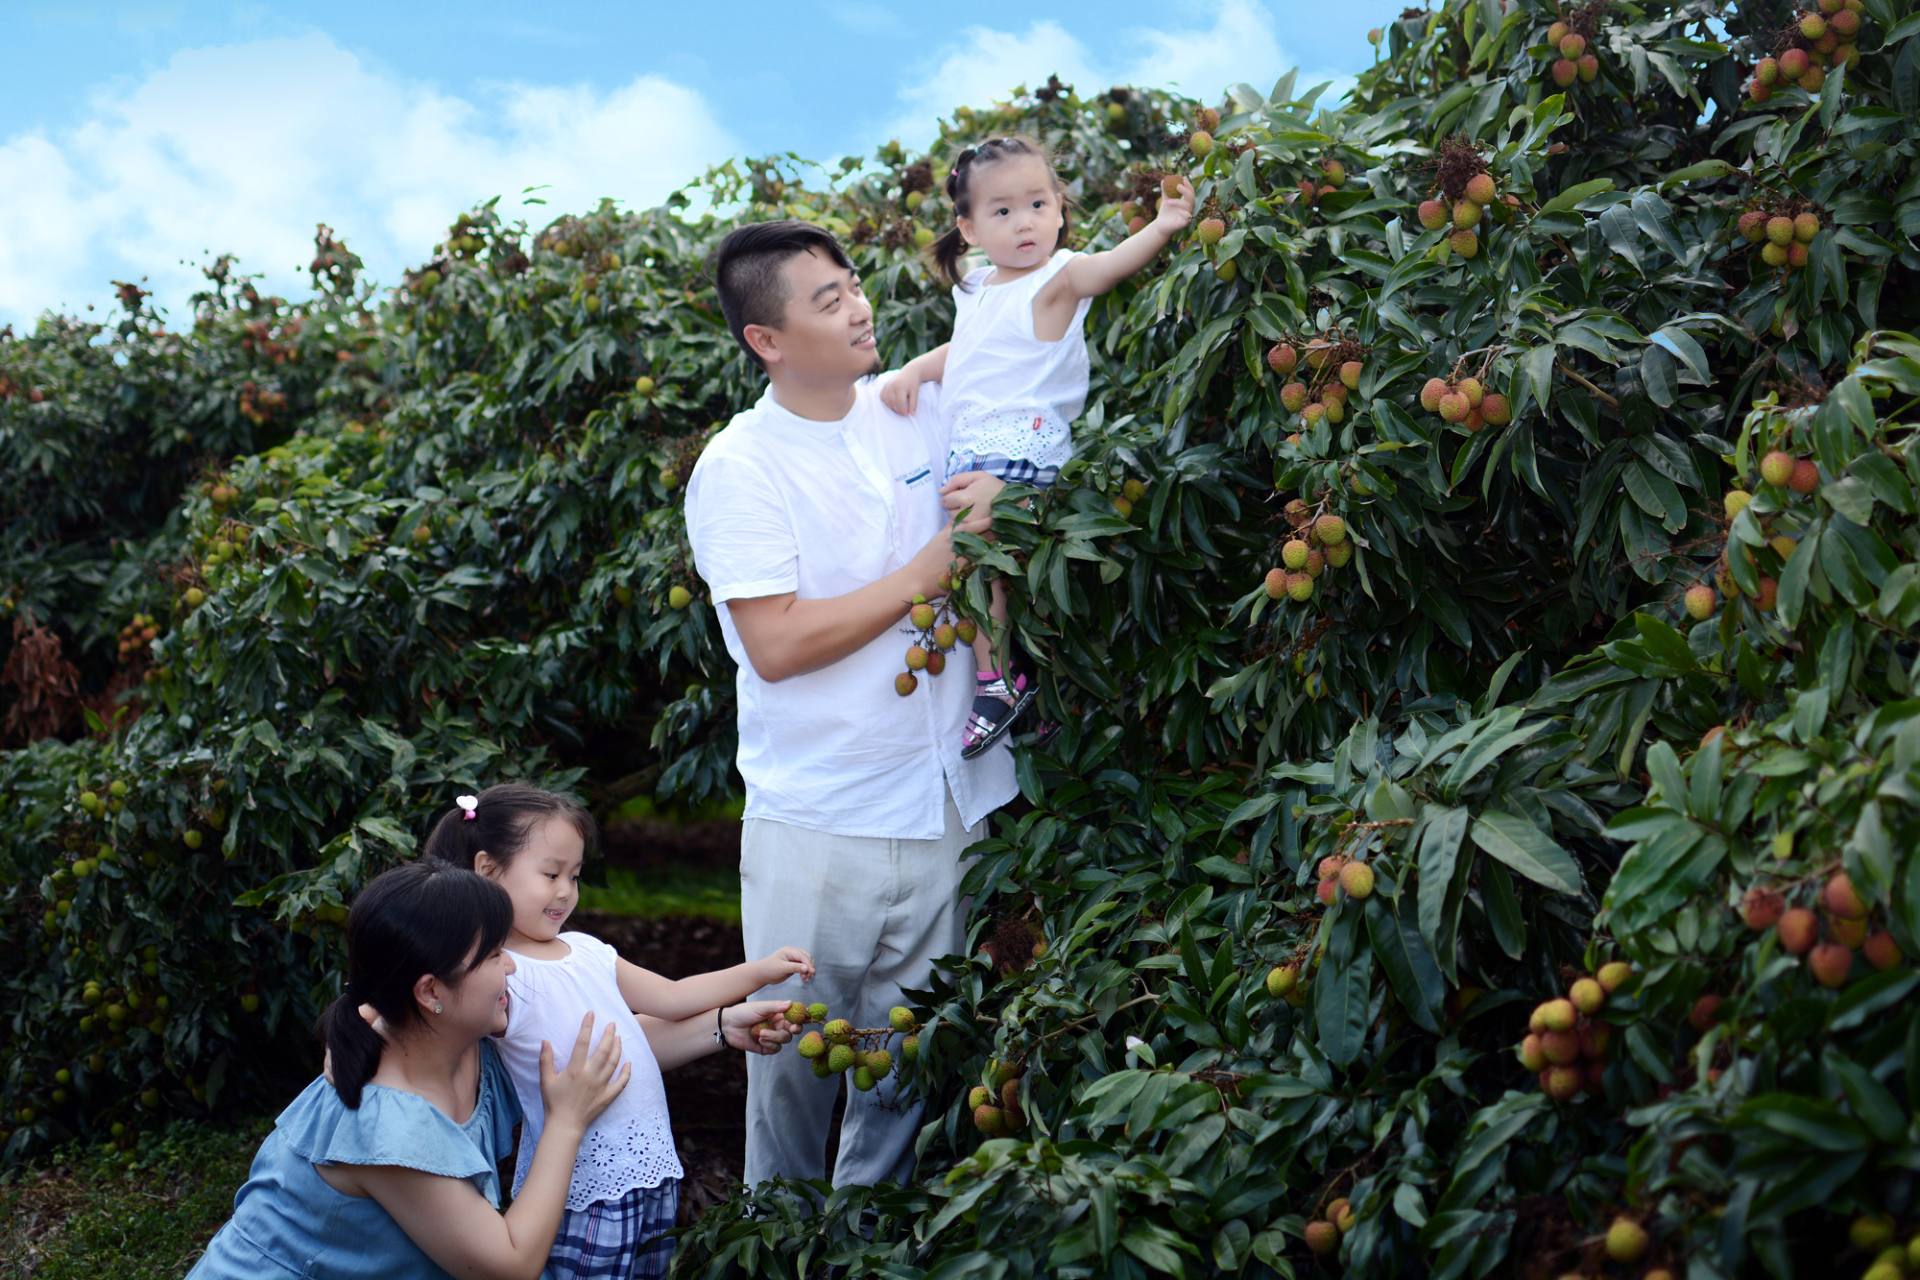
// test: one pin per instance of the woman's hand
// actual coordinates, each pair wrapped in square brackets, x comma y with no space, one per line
[589,1083]
[785,963]
[742,1025]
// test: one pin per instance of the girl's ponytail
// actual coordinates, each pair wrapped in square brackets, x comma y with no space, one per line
[947,253]
[353,1047]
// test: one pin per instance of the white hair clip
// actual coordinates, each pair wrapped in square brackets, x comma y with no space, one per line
[471,805]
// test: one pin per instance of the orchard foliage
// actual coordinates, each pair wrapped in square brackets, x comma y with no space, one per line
[1601,693]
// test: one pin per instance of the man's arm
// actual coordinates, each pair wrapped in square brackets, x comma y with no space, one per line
[786,636]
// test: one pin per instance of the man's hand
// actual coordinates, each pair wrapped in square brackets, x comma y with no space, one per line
[973,492]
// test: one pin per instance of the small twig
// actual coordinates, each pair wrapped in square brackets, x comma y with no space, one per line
[1611,403]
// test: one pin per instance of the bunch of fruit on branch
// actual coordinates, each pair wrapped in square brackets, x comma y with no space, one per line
[1334,365]
[1462,399]
[840,1048]
[1463,191]
[1847,927]
[1322,1233]
[1566,1042]
[1341,874]
[995,1102]
[1206,123]
[258,403]
[1816,39]
[1876,1234]
[1333,176]
[936,630]
[1317,542]
[1784,229]
[137,635]
[1782,473]
[1571,38]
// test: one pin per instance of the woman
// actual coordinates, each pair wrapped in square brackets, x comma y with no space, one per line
[386,1165]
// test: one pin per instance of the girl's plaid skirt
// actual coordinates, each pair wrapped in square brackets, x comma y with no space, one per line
[622,1239]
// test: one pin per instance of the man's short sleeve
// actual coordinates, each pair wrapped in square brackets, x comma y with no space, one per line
[742,537]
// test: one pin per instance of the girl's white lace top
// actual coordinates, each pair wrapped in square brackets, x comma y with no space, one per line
[631,1144]
[1007,392]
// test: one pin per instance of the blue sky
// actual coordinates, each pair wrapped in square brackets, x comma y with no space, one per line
[137,138]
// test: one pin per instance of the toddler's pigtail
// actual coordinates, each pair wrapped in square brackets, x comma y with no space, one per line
[947,253]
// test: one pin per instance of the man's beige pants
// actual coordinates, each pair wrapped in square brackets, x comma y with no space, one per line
[875,914]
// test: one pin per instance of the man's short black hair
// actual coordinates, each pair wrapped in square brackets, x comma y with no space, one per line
[746,271]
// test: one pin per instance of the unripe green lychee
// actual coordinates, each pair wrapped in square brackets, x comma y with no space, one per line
[1587,995]
[1350,372]
[880,1062]
[1777,467]
[1293,397]
[1735,502]
[1753,226]
[1340,554]
[1333,173]
[966,629]
[921,616]
[1210,230]
[1357,879]
[1472,390]
[1532,1054]
[1556,33]
[1780,229]
[1330,529]
[1613,975]
[1200,142]
[1299,587]
[864,1079]
[1572,45]
[916,658]
[194,597]
[1465,244]
[1812,26]
[1805,227]
[1557,1015]
[1626,1240]
[909,1048]
[1275,583]
[1281,978]
[811,1045]
[1454,407]
[839,1031]
[901,1019]
[980,1096]
[840,1058]
[1294,554]
[1433,214]
[1466,214]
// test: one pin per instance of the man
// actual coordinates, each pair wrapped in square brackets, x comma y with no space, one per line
[816,517]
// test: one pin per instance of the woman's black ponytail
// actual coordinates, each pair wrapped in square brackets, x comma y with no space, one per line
[422,918]
[950,250]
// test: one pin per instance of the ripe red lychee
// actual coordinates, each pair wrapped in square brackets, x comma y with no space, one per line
[1882,952]
[1830,963]
[1839,897]
[1753,226]
[1480,188]
[1851,934]
[1282,358]
[1532,1053]
[1276,583]
[1465,244]
[1766,594]
[1322,1237]
[1560,1083]
[1326,889]
[1794,63]
[1293,397]
[1431,392]
[1495,410]
[1561,1047]
[1593,1040]
[1805,477]
[1762,908]
[1433,214]
[1798,928]
[1565,72]
[1572,45]
[1705,1012]
[1588,66]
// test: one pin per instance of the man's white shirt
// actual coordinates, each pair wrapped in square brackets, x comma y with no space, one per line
[779,503]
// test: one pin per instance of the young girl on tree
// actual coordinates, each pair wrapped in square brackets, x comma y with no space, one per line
[1014,376]
[625,1188]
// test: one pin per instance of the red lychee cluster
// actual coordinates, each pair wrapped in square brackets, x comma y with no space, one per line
[1463,192]
[1784,230]
[1323,1233]
[1334,365]
[1333,176]
[258,403]
[936,633]
[1465,402]
[1566,1042]
[995,1103]
[1818,38]
[1342,874]
[1847,929]
[1570,45]
[1317,542]
[137,635]
[1784,471]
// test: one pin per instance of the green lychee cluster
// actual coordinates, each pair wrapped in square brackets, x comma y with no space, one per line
[936,632]
[1817,39]
[1466,403]
[839,1048]
[995,1102]
[1877,1235]
[1334,366]
[1784,230]
[1785,478]
[1566,1042]
[1569,44]
[1828,946]
[1317,541]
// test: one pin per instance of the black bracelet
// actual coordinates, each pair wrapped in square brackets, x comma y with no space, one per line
[719,1031]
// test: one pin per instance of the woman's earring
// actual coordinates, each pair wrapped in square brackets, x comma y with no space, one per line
[438,1007]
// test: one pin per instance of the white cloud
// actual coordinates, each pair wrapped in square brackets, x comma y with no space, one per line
[984,64]
[242,148]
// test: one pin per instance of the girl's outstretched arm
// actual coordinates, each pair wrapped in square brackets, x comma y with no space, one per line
[902,392]
[1092,274]
[678,1042]
[649,993]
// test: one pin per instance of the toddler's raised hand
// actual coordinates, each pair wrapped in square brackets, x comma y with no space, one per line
[785,963]
[1176,211]
[902,393]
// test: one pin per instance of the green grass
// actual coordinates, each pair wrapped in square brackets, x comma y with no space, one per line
[97,1211]
[713,892]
